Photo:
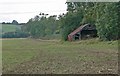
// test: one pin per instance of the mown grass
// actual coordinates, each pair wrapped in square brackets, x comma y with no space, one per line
[70,54]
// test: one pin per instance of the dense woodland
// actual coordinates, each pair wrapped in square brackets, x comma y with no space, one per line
[104,15]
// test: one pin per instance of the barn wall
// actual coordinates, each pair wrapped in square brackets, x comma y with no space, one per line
[83,32]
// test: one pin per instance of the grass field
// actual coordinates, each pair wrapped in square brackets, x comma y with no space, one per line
[23,56]
[9,27]
[4,28]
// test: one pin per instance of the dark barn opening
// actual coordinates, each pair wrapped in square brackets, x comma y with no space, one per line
[83,32]
[77,36]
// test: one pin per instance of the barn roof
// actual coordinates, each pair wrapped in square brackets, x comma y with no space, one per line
[78,29]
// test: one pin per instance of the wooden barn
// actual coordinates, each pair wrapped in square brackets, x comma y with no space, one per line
[83,32]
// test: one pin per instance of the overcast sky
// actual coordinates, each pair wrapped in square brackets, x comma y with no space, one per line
[23,10]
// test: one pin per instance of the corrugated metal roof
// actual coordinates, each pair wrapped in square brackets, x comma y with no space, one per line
[78,29]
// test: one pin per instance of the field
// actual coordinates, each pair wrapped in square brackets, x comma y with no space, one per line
[4,28]
[29,56]
[9,27]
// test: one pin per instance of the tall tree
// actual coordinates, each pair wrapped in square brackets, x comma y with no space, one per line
[41,26]
[103,15]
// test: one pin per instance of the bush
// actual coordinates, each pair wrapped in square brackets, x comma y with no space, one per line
[15,35]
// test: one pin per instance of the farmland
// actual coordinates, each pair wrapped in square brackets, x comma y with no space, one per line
[29,56]
[9,27]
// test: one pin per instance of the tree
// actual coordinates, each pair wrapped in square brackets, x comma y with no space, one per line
[107,21]
[3,22]
[69,22]
[40,26]
[14,22]
[103,15]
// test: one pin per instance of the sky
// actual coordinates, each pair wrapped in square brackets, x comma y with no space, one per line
[23,10]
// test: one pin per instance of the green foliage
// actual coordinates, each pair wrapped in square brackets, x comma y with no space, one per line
[107,21]
[103,15]
[40,26]
[12,31]
[15,35]
[70,21]
[14,22]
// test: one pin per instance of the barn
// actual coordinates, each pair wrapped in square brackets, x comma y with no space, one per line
[83,32]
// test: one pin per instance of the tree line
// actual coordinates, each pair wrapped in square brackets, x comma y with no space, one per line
[41,26]
[104,15]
